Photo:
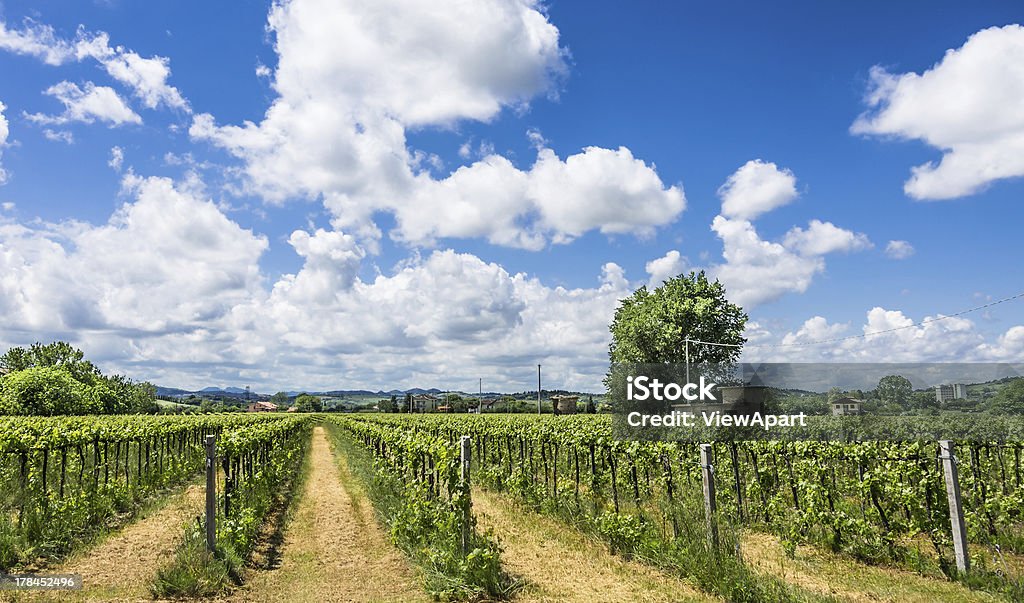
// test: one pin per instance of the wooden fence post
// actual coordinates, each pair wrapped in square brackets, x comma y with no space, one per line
[956,510]
[708,474]
[211,493]
[465,454]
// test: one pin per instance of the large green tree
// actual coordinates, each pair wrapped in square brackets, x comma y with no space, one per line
[1010,398]
[48,390]
[57,354]
[652,326]
[308,403]
[895,390]
[55,378]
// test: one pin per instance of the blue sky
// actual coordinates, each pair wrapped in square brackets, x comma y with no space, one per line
[425,195]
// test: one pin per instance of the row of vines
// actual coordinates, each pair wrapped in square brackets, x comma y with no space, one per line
[882,502]
[259,462]
[63,477]
[417,488]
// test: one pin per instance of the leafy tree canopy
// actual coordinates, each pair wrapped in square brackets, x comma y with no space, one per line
[652,326]
[49,390]
[895,389]
[57,354]
[308,403]
[1010,398]
[56,379]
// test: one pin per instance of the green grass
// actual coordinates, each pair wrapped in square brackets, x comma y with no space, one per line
[196,572]
[447,575]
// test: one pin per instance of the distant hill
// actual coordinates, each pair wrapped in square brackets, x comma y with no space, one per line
[171,391]
[238,392]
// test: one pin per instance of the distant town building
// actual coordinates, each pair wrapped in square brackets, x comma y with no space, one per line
[261,407]
[565,404]
[954,391]
[846,406]
[425,402]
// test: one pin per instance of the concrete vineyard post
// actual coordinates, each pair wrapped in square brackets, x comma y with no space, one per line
[465,453]
[956,510]
[707,471]
[211,492]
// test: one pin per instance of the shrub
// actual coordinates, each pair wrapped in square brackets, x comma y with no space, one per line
[47,390]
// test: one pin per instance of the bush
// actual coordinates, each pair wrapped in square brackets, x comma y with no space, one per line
[47,390]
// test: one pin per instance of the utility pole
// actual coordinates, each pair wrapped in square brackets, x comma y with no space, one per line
[687,358]
[538,389]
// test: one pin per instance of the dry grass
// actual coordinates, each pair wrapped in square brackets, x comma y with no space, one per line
[333,549]
[121,566]
[827,574]
[561,564]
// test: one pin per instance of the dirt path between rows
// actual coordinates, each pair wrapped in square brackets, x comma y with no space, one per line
[828,574]
[121,567]
[333,548]
[561,564]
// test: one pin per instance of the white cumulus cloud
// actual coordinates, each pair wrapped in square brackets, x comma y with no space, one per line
[756,271]
[820,238]
[889,335]
[352,77]
[899,250]
[170,289]
[165,261]
[87,105]
[37,40]
[967,105]
[661,269]
[756,188]
[147,78]
[116,158]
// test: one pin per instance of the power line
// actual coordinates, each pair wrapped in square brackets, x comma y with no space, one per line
[863,335]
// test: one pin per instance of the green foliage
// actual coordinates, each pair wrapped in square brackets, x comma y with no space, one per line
[651,326]
[49,390]
[308,403]
[257,458]
[877,501]
[195,571]
[1010,398]
[280,399]
[62,479]
[417,489]
[260,460]
[55,379]
[57,354]
[809,404]
[895,390]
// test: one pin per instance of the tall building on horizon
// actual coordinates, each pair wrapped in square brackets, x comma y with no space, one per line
[953,391]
